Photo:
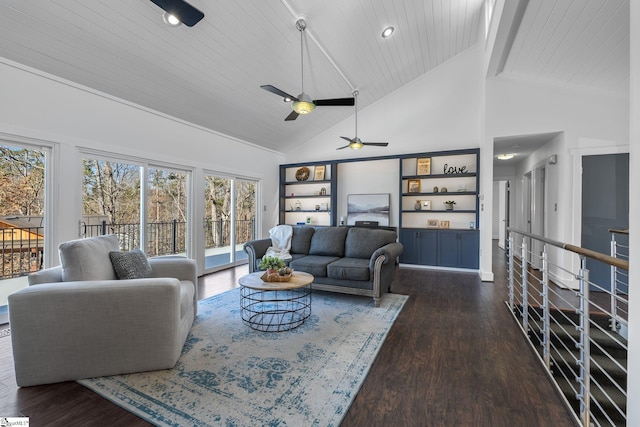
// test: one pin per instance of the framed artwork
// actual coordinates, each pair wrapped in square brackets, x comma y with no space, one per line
[433,223]
[368,207]
[318,173]
[413,186]
[426,205]
[424,166]
[445,224]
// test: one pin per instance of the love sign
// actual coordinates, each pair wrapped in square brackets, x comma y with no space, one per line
[453,170]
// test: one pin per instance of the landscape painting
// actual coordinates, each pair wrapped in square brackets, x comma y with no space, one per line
[368,207]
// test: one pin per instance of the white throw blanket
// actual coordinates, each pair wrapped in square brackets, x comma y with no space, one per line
[280,241]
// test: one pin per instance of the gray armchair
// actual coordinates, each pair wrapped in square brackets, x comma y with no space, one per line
[66,330]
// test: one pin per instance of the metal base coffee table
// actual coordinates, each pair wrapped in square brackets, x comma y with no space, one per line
[275,306]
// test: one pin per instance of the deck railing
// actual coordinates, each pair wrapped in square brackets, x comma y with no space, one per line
[576,332]
[23,248]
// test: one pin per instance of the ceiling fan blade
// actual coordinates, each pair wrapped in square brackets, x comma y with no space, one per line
[376,144]
[335,102]
[182,10]
[279,92]
[345,138]
[291,116]
[346,146]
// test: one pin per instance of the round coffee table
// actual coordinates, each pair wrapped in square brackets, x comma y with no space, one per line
[275,306]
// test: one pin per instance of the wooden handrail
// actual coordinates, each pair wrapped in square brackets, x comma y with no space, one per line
[607,259]
[618,231]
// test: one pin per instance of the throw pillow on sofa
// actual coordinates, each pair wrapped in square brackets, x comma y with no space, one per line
[130,265]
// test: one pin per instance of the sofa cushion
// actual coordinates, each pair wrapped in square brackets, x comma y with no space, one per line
[301,240]
[315,265]
[349,269]
[88,259]
[130,265]
[363,242]
[328,241]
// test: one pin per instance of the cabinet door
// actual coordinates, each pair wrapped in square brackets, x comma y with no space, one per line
[428,247]
[409,239]
[458,248]
[469,249]
[448,248]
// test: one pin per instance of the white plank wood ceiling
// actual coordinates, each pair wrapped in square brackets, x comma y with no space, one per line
[210,74]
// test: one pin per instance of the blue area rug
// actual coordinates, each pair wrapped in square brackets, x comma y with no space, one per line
[230,375]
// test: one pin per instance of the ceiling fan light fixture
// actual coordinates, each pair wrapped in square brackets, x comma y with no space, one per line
[387,32]
[506,156]
[171,19]
[304,104]
[303,107]
[356,144]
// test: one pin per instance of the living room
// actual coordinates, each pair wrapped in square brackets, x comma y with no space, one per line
[453,106]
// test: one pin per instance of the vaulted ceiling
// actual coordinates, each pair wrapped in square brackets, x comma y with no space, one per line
[211,74]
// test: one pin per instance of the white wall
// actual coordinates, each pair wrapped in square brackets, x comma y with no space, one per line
[40,108]
[438,111]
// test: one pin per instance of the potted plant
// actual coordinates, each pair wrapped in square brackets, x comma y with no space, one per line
[450,204]
[271,264]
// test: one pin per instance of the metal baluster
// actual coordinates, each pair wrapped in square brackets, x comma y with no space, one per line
[510,252]
[546,324]
[585,351]
[613,323]
[525,297]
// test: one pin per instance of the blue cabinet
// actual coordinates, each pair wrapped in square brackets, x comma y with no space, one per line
[441,248]
[458,248]
[420,246]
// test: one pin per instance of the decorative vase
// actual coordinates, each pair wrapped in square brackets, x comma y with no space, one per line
[417,206]
[449,206]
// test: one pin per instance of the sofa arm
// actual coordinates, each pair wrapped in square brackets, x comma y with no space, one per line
[256,250]
[177,267]
[47,275]
[390,251]
[72,330]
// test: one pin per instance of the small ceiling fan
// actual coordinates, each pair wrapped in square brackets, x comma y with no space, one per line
[355,143]
[303,104]
[179,11]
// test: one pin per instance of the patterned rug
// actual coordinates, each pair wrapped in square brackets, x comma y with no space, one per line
[230,375]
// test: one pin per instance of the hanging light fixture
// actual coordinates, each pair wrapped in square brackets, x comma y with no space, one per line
[304,104]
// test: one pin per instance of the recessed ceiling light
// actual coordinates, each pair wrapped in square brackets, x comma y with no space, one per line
[506,156]
[387,32]
[171,19]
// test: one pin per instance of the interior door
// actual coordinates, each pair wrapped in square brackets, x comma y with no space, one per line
[605,205]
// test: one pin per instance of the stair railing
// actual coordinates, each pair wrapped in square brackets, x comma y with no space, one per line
[620,280]
[567,319]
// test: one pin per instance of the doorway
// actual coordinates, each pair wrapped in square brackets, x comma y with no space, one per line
[605,205]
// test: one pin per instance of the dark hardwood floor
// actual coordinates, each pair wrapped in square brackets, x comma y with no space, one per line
[454,357]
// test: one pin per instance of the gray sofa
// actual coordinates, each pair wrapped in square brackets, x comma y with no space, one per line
[79,321]
[353,260]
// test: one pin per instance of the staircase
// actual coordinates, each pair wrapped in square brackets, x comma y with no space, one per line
[608,362]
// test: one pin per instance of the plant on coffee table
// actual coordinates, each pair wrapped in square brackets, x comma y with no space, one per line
[271,263]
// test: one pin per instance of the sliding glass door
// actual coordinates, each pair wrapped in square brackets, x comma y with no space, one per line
[230,216]
[144,205]
[22,215]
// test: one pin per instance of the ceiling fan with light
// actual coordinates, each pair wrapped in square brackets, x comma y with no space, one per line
[178,12]
[303,103]
[355,143]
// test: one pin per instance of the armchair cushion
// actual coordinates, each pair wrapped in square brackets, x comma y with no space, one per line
[88,259]
[130,265]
